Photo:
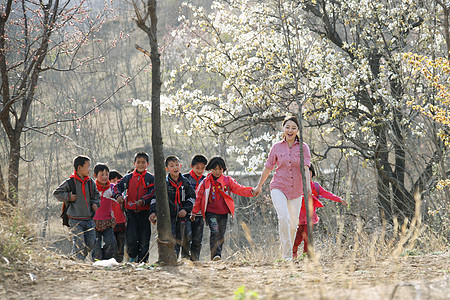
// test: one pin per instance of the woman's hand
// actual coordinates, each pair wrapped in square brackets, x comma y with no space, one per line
[256,191]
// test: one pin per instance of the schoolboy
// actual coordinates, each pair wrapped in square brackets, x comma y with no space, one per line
[119,229]
[81,196]
[195,176]
[105,244]
[181,200]
[139,185]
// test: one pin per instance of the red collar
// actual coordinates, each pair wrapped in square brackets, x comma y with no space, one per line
[197,179]
[83,182]
[102,188]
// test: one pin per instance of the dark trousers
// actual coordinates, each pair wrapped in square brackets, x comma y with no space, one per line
[138,234]
[120,244]
[109,248]
[217,226]
[197,237]
[181,231]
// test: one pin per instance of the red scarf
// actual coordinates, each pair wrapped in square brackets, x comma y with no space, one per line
[193,175]
[177,186]
[102,188]
[140,177]
[83,183]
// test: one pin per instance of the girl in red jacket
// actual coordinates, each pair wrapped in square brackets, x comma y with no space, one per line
[215,203]
[302,229]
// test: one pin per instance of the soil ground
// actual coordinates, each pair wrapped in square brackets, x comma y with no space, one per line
[52,276]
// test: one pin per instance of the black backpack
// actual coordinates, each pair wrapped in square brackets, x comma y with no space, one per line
[73,189]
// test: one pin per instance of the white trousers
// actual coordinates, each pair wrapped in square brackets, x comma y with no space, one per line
[288,211]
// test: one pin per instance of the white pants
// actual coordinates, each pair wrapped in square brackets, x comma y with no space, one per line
[288,211]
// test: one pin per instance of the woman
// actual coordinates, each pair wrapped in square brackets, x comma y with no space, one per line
[286,187]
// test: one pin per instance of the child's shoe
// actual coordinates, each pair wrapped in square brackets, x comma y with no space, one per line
[216,258]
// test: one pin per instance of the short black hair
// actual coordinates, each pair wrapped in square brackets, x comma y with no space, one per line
[113,174]
[141,154]
[171,158]
[216,161]
[313,171]
[99,167]
[80,160]
[199,159]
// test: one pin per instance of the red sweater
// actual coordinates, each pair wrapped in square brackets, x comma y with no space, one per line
[104,211]
[225,185]
[316,203]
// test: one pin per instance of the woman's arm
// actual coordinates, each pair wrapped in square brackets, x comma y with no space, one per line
[308,180]
[262,179]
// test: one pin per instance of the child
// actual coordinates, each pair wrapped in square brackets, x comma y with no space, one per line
[195,176]
[140,192]
[81,196]
[104,218]
[119,229]
[214,201]
[181,200]
[302,230]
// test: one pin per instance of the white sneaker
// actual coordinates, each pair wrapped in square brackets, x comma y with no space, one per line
[216,258]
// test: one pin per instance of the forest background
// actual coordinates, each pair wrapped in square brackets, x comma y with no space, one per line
[373,83]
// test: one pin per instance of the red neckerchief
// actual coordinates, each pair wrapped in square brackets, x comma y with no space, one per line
[138,175]
[177,186]
[102,188]
[193,175]
[83,182]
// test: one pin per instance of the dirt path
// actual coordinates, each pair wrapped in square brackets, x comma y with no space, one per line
[54,277]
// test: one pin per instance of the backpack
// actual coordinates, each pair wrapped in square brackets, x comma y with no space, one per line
[73,189]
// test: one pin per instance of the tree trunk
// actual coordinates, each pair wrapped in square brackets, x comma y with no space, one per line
[13,170]
[382,165]
[165,239]
[3,193]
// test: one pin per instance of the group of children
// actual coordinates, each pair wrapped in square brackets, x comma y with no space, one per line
[116,210]
[113,211]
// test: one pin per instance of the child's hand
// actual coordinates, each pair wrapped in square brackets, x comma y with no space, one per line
[152,218]
[345,203]
[192,218]
[94,207]
[140,202]
[73,197]
[120,199]
[182,213]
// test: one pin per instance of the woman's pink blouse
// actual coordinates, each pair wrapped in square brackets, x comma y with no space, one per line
[287,177]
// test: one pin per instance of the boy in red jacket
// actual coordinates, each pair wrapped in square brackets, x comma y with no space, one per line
[302,229]
[140,187]
[119,229]
[195,177]
[105,244]
[215,202]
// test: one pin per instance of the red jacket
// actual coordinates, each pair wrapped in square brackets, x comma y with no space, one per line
[228,185]
[317,191]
